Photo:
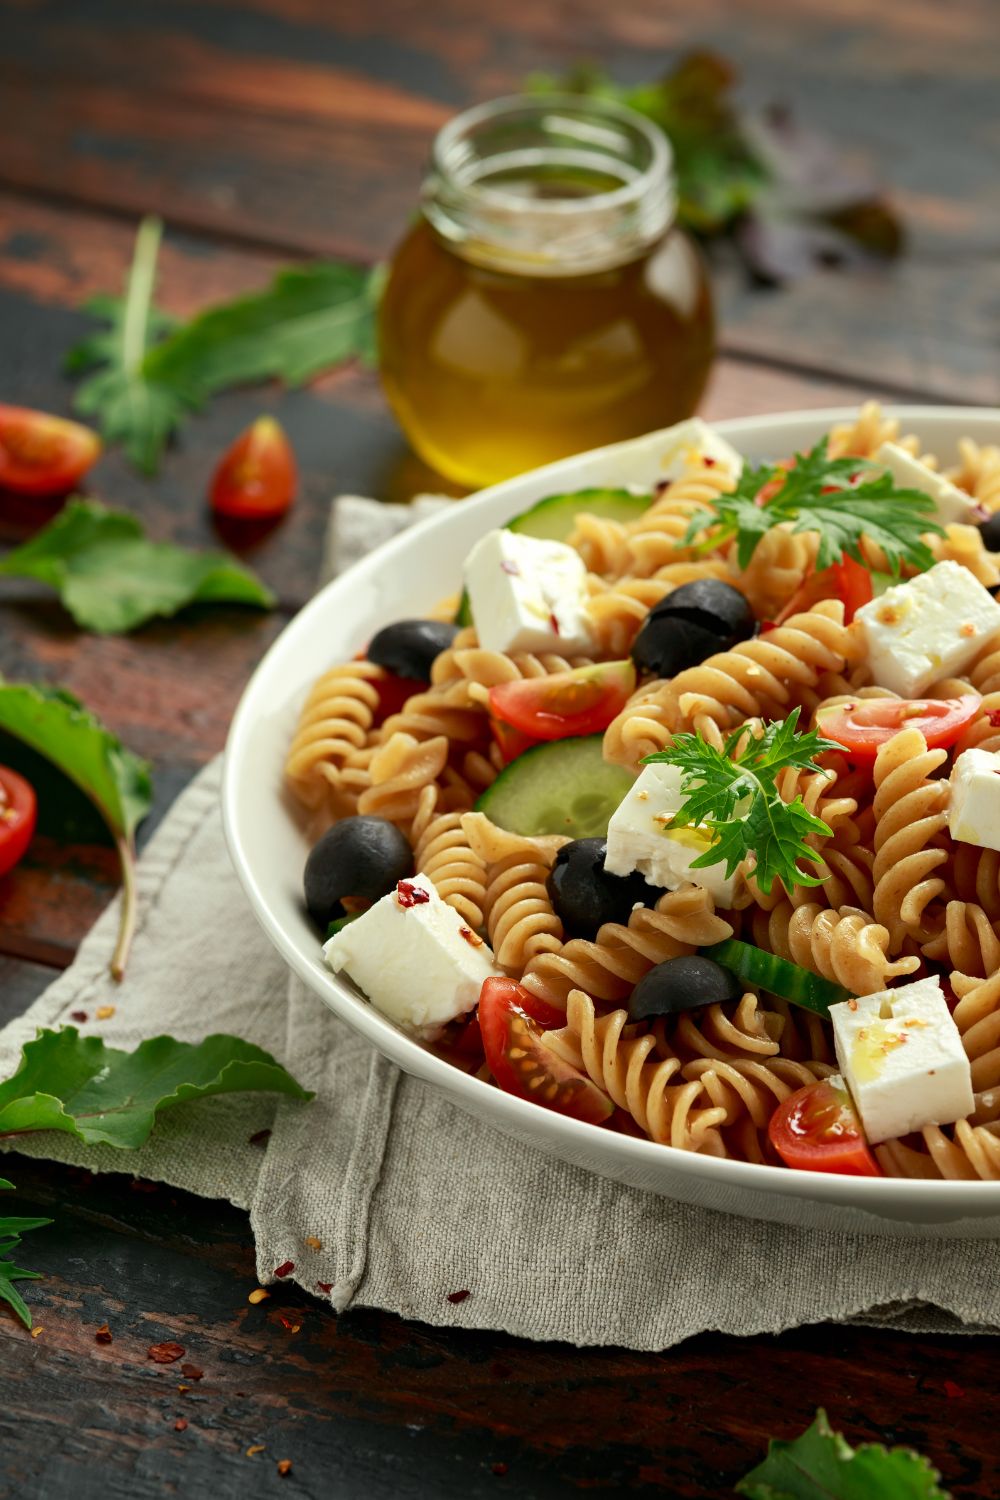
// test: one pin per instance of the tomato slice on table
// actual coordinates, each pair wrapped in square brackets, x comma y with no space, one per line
[18,811]
[256,477]
[845,580]
[817,1130]
[862,726]
[567,704]
[512,1021]
[43,455]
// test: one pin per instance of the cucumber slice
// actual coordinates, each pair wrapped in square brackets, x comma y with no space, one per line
[766,971]
[340,924]
[553,519]
[564,786]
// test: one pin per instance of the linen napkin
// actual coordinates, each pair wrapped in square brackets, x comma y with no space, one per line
[383,1194]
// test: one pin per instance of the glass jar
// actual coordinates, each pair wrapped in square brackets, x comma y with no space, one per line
[544,302]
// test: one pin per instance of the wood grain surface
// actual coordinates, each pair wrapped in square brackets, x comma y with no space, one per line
[269,130]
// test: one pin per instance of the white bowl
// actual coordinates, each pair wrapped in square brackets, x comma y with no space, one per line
[268,848]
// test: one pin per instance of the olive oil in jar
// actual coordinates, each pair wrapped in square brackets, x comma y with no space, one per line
[544,303]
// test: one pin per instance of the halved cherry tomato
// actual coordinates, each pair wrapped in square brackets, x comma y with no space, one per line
[393,692]
[256,476]
[43,455]
[18,812]
[512,1021]
[817,1130]
[566,704]
[845,580]
[866,723]
[512,742]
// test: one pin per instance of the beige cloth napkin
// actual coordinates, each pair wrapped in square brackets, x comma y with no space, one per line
[410,1198]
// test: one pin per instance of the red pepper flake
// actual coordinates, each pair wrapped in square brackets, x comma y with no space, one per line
[182,1390]
[181,1424]
[288,1321]
[993,714]
[165,1354]
[313,1242]
[708,461]
[285,1269]
[766,626]
[852,1005]
[324,1286]
[500,1469]
[511,568]
[78,1015]
[408,894]
[256,1448]
[105,1012]
[472,938]
[259,1294]
[192,1372]
[259,1138]
[952,1390]
[104,1334]
[37,1331]
[554,623]
[284,1467]
[458,1296]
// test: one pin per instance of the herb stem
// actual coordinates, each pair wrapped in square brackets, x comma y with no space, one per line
[135,328]
[130,907]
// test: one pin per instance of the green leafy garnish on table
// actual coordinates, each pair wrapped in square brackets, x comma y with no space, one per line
[818,494]
[56,725]
[105,1096]
[111,578]
[11,1230]
[733,793]
[822,1465]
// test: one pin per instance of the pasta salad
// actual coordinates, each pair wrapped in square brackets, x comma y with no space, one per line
[683,817]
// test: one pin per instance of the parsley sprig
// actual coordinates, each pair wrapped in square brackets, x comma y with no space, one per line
[820,494]
[734,793]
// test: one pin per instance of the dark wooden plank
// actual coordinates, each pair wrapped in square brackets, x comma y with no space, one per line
[371,1405]
[20,984]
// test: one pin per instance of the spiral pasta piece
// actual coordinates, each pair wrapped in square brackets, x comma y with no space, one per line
[601,543]
[911,812]
[333,724]
[465,661]
[964,544]
[978,473]
[656,539]
[865,435]
[975,874]
[778,567]
[399,771]
[520,921]
[845,946]
[967,941]
[443,853]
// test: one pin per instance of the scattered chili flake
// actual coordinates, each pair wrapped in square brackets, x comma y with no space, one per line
[324,1286]
[105,1012]
[104,1334]
[182,1390]
[192,1372]
[500,1469]
[510,567]
[181,1424]
[78,1015]
[38,1329]
[285,1269]
[287,1320]
[165,1354]
[408,894]
[284,1467]
[313,1242]
[259,1294]
[968,629]
[458,1296]
[256,1448]
[259,1138]
[708,461]
[952,1390]
[993,714]
[472,938]
[554,623]
[852,1005]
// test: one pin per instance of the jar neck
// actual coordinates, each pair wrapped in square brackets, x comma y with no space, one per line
[551,185]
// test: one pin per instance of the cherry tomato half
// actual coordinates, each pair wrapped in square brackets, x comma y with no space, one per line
[256,477]
[817,1130]
[18,811]
[43,455]
[512,1021]
[862,726]
[846,580]
[583,701]
[512,742]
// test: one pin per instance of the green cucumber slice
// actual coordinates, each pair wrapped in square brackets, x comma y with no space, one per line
[564,786]
[553,519]
[766,971]
[339,924]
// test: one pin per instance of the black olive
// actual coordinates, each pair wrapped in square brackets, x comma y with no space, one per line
[358,857]
[693,622]
[409,647]
[682,984]
[585,896]
[990,532]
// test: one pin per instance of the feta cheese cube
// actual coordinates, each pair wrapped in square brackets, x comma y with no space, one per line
[688,442]
[951,503]
[528,595]
[902,1057]
[931,627]
[974,807]
[639,840]
[414,957]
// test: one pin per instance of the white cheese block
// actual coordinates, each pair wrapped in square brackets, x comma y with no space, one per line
[639,840]
[951,503]
[931,627]
[528,595]
[902,1057]
[414,957]
[974,805]
[688,442]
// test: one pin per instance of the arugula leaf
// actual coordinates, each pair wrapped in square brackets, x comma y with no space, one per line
[821,1465]
[132,409]
[57,725]
[736,514]
[734,794]
[10,1237]
[102,1095]
[112,579]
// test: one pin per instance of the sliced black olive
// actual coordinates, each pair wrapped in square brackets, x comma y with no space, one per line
[409,647]
[990,532]
[671,643]
[714,604]
[682,984]
[358,857]
[693,622]
[585,896]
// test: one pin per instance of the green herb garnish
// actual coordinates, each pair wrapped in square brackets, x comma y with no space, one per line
[818,495]
[822,1465]
[11,1231]
[733,792]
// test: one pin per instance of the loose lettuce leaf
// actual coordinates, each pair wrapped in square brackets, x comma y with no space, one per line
[11,1231]
[102,1095]
[821,1465]
[112,579]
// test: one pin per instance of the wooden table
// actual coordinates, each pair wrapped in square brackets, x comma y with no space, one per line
[268,130]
